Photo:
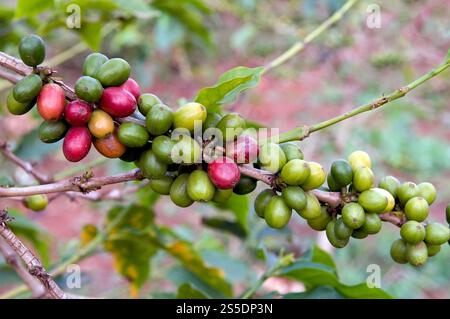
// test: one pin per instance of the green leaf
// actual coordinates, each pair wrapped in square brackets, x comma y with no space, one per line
[230,84]
[31,147]
[322,292]
[225,225]
[239,206]
[138,8]
[91,34]
[320,256]
[186,291]
[29,8]
[362,291]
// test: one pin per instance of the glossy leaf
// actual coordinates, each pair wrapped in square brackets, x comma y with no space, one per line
[186,291]
[29,8]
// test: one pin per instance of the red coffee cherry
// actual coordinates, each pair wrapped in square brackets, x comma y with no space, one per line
[117,102]
[51,102]
[77,143]
[133,87]
[244,150]
[224,173]
[77,113]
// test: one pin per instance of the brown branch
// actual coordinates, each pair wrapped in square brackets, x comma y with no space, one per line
[33,264]
[13,64]
[11,77]
[11,258]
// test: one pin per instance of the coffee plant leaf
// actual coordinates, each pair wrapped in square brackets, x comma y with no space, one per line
[225,225]
[29,8]
[239,206]
[187,291]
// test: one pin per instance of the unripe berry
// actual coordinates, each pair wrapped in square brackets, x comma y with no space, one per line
[437,234]
[36,203]
[316,177]
[391,184]
[332,238]
[277,214]
[359,159]
[311,209]
[417,254]
[188,115]
[262,200]
[398,251]
[294,197]
[100,124]
[363,179]
[427,191]
[224,173]
[417,209]
[295,172]
[342,172]
[407,191]
[412,232]
[353,215]
[200,187]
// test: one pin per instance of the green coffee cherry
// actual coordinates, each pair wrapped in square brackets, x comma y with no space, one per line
[433,250]
[417,209]
[277,214]
[360,233]
[437,234]
[417,254]
[36,203]
[186,151]
[363,179]
[146,101]
[332,184]
[291,151]
[271,157]
[398,251]
[113,72]
[427,191]
[359,159]
[262,200]
[391,184]
[178,191]
[132,134]
[92,64]
[27,89]
[212,119]
[406,191]
[200,187]
[51,132]
[32,50]
[342,173]
[151,166]
[221,196]
[159,119]
[412,232]
[88,89]
[231,125]
[312,208]
[294,197]
[295,172]
[162,147]
[187,115]
[332,238]
[447,213]
[162,185]
[320,223]
[245,185]
[372,224]
[353,215]
[373,201]
[18,108]
[341,230]
[316,178]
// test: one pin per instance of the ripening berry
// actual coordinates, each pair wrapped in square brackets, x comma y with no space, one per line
[224,173]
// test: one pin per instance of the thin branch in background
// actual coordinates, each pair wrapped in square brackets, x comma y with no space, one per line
[11,77]
[33,264]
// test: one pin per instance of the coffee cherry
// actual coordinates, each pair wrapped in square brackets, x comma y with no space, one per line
[151,166]
[32,50]
[332,184]
[437,234]
[36,203]
[417,209]
[161,185]
[406,191]
[224,173]
[88,89]
[131,155]
[100,124]
[113,72]
[373,201]
[146,102]
[316,178]
[391,184]
[159,119]
[245,185]
[200,187]
[51,102]
[18,108]
[353,215]
[244,150]
[277,214]
[398,251]
[341,230]
[211,121]
[133,135]
[262,200]
[363,179]
[188,115]
[221,196]
[360,233]
[133,87]
[77,144]
[320,223]
[178,191]
[162,147]
[372,224]
[359,159]
[417,254]
[433,250]
[332,238]
[51,132]
[312,208]
[391,200]
[92,64]
[28,88]
[186,151]
[447,213]
[271,157]
[294,197]
[412,232]
[231,125]
[342,172]
[77,113]
[427,191]
[295,172]
[117,102]
[292,151]
[110,146]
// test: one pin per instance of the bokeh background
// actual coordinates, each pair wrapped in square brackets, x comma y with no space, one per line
[176,48]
